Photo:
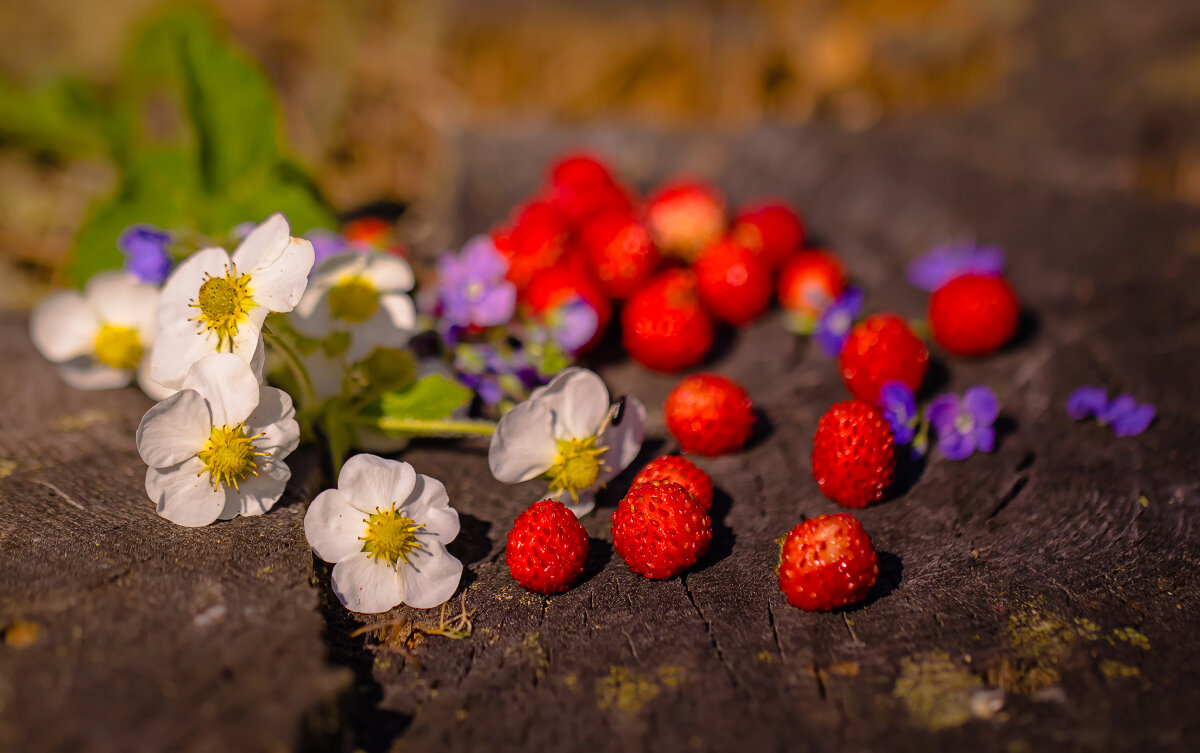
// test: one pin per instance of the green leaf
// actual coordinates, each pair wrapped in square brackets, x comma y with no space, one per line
[65,118]
[432,398]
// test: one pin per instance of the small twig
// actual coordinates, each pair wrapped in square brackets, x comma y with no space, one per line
[60,493]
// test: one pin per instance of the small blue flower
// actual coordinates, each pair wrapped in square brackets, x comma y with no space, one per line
[836,321]
[1086,402]
[145,249]
[572,323]
[472,285]
[1124,413]
[942,264]
[966,425]
[900,409]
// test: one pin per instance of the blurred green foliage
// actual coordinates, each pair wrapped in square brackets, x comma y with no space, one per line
[194,130]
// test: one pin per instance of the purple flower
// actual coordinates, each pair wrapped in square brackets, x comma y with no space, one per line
[572,323]
[942,264]
[495,373]
[474,291]
[836,321]
[900,409]
[1124,413]
[964,426]
[325,243]
[145,250]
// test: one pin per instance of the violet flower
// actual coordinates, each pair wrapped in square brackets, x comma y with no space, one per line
[495,373]
[572,323]
[325,243]
[966,425]
[1124,413]
[900,409]
[145,250]
[472,285]
[942,264]
[836,320]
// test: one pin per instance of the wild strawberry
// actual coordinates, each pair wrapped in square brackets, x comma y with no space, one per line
[810,281]
[660,530]
[368,231]
[546,548]
[732,281]
[551,288]
[620,252]
[854,454]
[709,414]
[679,470]
[663,326]
[878,350]
[684,217]
[771,230]
[973,314]
[827,562]
[534,241]
[581,186]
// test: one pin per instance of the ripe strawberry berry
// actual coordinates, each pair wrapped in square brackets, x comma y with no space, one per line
[663,326]
[880,349]
[811,280]
[733,282]
[619,251]
[679,470]
[546,548]
[581,185]
[551,288]
[660,530]
[534,241]
[973,314]
[685,216]
[709,414]
[771,230]
[854,454]
[827,562]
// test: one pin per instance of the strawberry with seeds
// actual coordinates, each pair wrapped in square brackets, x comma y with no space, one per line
[679,470]
[973,315]
[854,454]
[660,530]
[881,349]
[770,229]
[546,548]
[709,414]
[663,326]
[827,562]
[619,251]
[733,282]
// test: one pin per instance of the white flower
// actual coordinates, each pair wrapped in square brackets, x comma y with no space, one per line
[385,527]
[101,335]
[565,433]
[216,447]
[213,303]
[362,293]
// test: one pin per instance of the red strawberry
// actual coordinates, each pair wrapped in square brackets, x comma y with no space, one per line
[368,231]
[581,186]
[879,349]
[854,454]
[733,282]
[620,252]
[664,327]
[551,288]
[973,314]
[771,230]
[810,281]
[681,471]
[546,548]
[534,241]
[685,216]
[827,562]
[660,530]
[709,414]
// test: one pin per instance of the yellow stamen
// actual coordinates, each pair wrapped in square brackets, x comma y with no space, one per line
[353,300]
[118,347]
[223,303]
[229,456]
[390,536]
[577,466]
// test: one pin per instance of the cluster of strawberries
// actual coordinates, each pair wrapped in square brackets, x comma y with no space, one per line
[676,260]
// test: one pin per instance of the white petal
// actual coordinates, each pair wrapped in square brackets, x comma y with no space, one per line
[326,373]
[229,386]
[523,446]
[175,350]
[430,505]
[248,339]
[121,299]
[312,317]
[182,496]
[63,327]
[257,494]
[388,272]
[333,527]
[430,576]
[182,288]
[258,360]
[174,430]
[624,442]
[579,401]
[263,245]
[274,416]
[280,285]
[366,585]
[389,327]
[153,389]
[368,482]
[86,373]
[336,268]
[586,503]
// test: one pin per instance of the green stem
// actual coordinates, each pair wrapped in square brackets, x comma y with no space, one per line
[426,427]
[295,364]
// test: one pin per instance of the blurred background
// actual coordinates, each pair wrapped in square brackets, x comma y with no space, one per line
[209,115]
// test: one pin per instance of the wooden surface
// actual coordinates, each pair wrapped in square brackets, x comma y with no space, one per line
[1042,597]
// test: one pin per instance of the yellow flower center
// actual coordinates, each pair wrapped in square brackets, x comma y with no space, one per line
[230,456]
[390,536]
[577,466]
[223,303]
[118,347]
[353,300]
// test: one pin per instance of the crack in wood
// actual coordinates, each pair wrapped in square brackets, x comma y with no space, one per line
[712,637]
[1018,485]
[816,672]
